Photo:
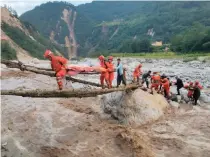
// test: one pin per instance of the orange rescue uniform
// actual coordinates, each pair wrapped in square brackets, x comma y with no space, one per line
[155,81]
[110,69]
[137,72]
[104,74]
[166,87]
[58,64]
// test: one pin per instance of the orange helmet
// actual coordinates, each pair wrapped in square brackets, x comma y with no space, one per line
[110,58]
[101,57]
[47,53]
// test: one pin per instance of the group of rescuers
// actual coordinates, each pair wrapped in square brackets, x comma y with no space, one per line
[160,83]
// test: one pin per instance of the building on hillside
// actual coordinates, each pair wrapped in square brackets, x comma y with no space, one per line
[157,43]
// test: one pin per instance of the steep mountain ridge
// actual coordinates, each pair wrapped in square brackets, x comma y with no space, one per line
[7,18]
[23,38]
[104,26]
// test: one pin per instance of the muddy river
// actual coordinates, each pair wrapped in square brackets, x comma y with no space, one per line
[73,127]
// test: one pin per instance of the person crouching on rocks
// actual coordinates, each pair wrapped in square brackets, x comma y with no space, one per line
[59,65]
[145,77]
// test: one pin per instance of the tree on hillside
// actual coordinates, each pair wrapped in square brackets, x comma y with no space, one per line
[11,10]
[7,52]
[136,46]
[196,38]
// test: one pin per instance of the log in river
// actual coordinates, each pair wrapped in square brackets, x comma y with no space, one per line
[36,70]
[67,93]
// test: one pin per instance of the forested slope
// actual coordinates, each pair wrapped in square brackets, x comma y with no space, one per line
[110,26]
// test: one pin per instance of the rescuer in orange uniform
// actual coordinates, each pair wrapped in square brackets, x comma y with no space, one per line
[137,72]
[104,74]
[110,66]
[155,80]
[59,65]
[166,87]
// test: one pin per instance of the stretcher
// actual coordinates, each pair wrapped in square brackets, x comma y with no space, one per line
[73,70]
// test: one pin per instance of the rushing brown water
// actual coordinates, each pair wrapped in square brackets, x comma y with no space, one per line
[79,127]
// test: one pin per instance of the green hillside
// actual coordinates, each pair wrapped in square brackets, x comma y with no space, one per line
[123,26]
[35,44]
[26,36]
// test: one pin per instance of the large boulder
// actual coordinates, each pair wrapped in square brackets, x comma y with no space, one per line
[134,108]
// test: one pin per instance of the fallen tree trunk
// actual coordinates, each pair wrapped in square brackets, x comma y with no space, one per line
[10,64]
[23,67]
[66,93]
[46,69]
[52,74]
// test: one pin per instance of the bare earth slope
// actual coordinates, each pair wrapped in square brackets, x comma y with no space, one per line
[12,21]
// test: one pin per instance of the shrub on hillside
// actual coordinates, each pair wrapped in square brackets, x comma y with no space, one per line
[195,39]
[24,41]
[7,52]
[136,46]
